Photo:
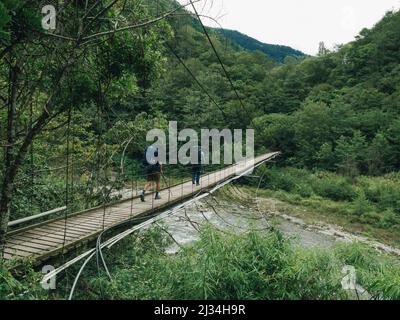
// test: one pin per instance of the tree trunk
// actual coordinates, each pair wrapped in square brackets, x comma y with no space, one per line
[10,174]
[14,158]
[8,180]
[4,212]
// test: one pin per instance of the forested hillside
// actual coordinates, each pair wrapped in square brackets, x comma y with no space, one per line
[277,52]
[318,110]
[335,117]
[339,111]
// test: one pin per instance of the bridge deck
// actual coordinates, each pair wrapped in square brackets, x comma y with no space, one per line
[46,239]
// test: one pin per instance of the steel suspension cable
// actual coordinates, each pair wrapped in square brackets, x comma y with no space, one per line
[217,55]
[67,173]
[110,242]
[195,78]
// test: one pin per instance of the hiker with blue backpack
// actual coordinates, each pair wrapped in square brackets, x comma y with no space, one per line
[153,167]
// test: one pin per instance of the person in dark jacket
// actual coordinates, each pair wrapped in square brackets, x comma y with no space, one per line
[153,167]
[197,164]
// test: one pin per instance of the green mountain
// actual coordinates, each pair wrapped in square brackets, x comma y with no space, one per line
[277,52]
[239,41]
[338,111]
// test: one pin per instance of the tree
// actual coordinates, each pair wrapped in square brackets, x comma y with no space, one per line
[322,49]
[313,127]
[327,158]
[58,71]
[351,153]
[379,155]
[275,132]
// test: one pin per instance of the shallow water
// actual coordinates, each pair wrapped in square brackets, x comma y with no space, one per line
[235,218]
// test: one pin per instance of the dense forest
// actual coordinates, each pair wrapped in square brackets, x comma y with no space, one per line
[277,52]
[76,104]
[335,117]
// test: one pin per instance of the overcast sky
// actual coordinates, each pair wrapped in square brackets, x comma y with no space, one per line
[301,24]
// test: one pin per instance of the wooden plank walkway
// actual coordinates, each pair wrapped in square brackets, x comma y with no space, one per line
[46,239]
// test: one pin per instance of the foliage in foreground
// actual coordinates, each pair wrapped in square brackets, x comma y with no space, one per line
[219,266]
[23,286]
[246,266]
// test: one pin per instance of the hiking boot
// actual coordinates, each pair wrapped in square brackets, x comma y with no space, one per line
[158,197]
[142,196]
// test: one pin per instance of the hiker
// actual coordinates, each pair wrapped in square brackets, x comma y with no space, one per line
[197,164]
[153,167]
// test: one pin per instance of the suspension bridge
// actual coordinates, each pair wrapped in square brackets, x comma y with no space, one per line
[50,238]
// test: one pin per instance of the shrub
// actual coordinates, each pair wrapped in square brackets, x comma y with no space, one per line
[371,218]
[333,187]
[26,286]
[390,219]
[304,190]
[361,205]
[384,193]
[279,180]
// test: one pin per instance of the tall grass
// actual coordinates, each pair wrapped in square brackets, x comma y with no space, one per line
[254,265]
[230,266]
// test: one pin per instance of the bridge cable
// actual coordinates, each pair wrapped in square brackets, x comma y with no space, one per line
[67,182]
[104,193]
[67,173]
[31,151]
[195,78]
[110,242]
[115,239]
[217,55]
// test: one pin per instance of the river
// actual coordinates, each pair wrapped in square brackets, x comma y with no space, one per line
[236,218]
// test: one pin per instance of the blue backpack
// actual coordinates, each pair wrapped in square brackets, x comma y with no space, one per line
[150,156]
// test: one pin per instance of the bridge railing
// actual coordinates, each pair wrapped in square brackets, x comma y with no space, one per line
[173,175]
